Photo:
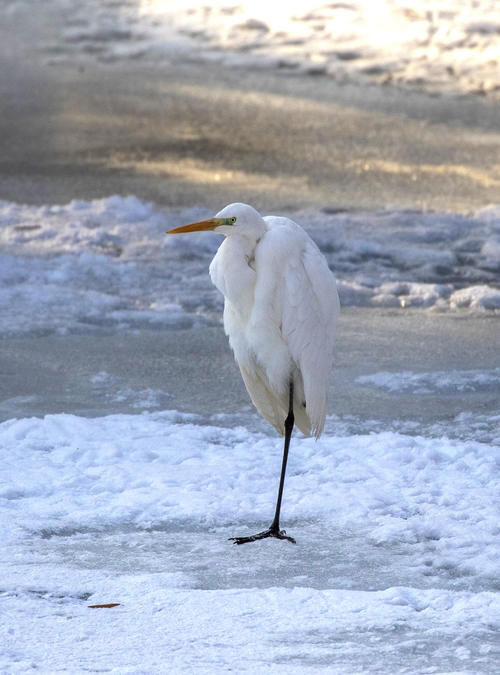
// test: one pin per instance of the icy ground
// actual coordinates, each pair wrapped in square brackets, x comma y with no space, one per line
[395,569]
[449,45]
[395,508]
[90,266]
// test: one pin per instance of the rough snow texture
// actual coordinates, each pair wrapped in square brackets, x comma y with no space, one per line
[92,266]
[451,45]
[396,565]
[94,511]
[444,382]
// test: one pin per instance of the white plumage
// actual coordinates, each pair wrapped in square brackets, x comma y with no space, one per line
[280,311]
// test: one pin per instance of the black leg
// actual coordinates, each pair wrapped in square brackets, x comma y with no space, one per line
[274,528]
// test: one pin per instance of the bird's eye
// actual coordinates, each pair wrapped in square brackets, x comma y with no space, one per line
[228,221]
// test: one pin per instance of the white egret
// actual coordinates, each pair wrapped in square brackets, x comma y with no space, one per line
[280,311]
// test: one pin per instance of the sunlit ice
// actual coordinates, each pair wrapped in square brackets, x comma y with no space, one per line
[275,15]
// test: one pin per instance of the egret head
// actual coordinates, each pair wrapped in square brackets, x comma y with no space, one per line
[232,218]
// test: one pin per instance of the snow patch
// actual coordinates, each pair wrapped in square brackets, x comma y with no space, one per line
[452,47]
[442,382]
[107,264]
[148,471]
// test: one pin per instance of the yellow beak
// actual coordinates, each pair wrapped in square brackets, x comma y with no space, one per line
[209,224]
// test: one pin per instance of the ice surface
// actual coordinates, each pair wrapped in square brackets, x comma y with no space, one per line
[137,510]
[451,46]
[395,509]
[396,518]
[106,264]
[269,630]
[77,474]
[445,382]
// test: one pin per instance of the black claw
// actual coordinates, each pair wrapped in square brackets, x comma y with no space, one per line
[271,532]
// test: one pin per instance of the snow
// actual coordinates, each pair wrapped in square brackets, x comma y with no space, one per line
[103,471]
[258,630]
[449,46]
[445,382]
[100,510]
[396,520]
[476,296]
[106,264]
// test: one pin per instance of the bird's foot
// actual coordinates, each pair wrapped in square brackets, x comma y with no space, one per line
[270,532]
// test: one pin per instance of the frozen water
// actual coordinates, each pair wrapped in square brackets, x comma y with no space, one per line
[453,46]
[446,382]
[129,452]
[73,475]
[137,510]
[132,500]
[92,266]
